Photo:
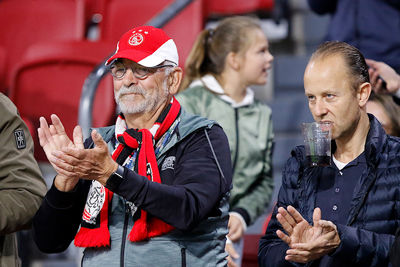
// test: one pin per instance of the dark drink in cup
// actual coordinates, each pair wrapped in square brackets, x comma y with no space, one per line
[314,161]
[317,143]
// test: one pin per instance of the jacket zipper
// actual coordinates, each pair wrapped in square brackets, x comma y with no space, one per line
[237,139]
[183,257]
[123,241]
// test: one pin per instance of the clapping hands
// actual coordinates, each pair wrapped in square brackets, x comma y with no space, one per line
[306,242]
[70,159]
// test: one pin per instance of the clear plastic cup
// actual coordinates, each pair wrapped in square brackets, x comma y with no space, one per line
[317,142]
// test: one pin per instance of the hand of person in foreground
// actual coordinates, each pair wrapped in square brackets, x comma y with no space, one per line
[306,242]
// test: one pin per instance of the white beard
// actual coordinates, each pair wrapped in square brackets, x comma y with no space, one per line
[148,103]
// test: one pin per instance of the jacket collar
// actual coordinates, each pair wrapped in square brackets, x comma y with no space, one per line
[213,85]
[188,124]
[376,140]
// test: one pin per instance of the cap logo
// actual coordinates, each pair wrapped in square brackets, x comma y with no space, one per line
[136,39]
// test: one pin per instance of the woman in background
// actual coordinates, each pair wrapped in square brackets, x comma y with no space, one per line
[221,66]
[386,111]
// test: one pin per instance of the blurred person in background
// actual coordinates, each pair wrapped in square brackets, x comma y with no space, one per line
[221,66]
[370,25]
[384,79]
[151,190]
[386,111]
[22,187]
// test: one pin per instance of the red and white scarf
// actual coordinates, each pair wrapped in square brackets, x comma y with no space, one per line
[94,230]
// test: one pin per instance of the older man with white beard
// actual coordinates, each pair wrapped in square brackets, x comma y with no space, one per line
[151,189]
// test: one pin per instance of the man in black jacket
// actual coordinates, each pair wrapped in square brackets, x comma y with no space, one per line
[344,214]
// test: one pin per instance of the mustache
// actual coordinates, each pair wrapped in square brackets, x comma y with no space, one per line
[131,89]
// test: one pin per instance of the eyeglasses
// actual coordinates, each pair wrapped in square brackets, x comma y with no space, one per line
[118,70]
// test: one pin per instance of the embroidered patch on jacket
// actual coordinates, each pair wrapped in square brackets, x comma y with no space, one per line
[168,163]
[20,138]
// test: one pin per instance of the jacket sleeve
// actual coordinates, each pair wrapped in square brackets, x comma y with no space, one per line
[21,184]
[322,6]
[57,221]
[364,247]
[272,250]
[58,218]
[253,204]
[197,184]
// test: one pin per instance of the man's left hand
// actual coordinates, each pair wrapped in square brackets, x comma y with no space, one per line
[90,164]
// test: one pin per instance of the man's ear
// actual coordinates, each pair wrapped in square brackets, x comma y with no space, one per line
[174,80]
[363,93]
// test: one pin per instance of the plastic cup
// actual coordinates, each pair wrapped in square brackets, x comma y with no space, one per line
[317,142]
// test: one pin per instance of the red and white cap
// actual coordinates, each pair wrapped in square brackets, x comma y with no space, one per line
[147,46]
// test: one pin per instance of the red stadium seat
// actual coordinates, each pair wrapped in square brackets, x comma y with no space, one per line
[233,7]
[27,22]
[3,86]
[49,80]
[92,8]
[121,15]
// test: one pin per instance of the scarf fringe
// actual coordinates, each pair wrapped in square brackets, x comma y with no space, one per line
[87,237]
[155,227]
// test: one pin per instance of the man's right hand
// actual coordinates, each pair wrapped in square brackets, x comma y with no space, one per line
[54,138]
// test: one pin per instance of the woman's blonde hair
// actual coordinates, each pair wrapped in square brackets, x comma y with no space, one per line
[391,108]
[213,45]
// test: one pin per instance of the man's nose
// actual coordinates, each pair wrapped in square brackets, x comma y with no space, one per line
[320,108]
[130,78]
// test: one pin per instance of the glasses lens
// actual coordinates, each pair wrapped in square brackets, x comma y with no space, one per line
[141,72]
[118,70]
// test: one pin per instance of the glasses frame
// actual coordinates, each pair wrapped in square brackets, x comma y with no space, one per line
[147,70]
